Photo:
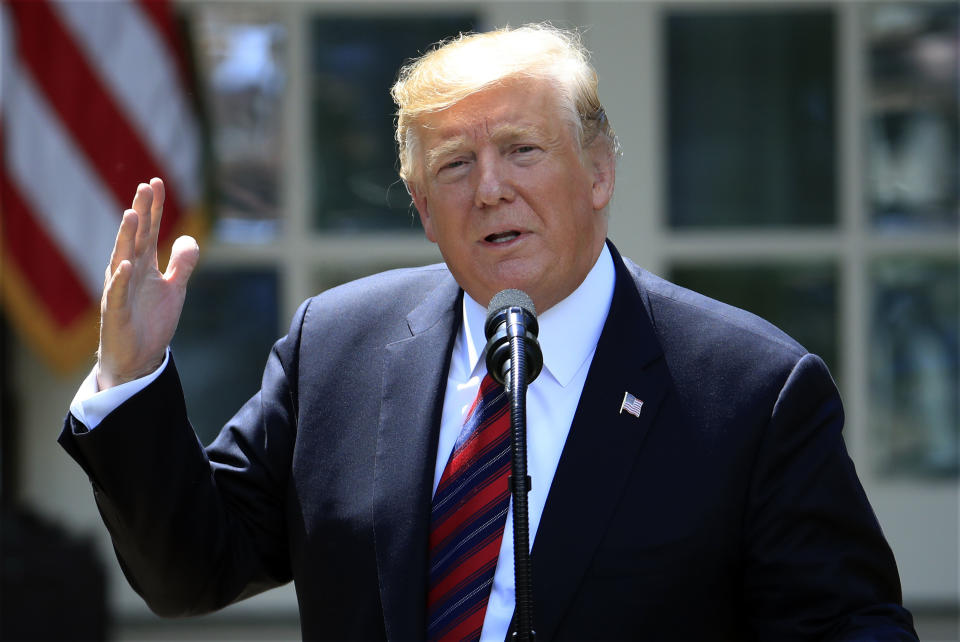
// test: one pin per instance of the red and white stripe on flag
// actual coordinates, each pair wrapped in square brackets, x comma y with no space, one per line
[93,100]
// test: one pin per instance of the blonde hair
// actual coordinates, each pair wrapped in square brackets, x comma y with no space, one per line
[469,63]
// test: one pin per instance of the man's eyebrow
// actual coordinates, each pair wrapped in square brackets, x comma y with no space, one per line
[445,148]
[500,134]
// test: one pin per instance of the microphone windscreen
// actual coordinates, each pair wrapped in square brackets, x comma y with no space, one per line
[510,299]
[503,300]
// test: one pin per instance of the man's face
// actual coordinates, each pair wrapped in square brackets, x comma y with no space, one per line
[509,197]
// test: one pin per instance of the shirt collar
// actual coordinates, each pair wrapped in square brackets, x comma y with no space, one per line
[569,331]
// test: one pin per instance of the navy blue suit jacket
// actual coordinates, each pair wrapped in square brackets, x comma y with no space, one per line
[728,509]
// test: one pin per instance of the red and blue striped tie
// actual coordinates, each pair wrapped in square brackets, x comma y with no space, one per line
[466,524]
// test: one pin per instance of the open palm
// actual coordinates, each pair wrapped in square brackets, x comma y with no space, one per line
[141,306]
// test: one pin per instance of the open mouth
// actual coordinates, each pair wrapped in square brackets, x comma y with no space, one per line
[502,237]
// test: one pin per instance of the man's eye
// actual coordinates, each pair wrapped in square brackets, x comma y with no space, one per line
[451,165]
[523,149]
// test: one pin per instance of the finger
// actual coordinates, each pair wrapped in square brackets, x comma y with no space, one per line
[115,295]
[183,259]
[142,202]
[123,247]
[156,208]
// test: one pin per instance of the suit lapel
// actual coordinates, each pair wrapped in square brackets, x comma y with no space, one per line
[414,380]
[600,451]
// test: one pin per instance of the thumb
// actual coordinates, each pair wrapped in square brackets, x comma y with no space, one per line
[183,259]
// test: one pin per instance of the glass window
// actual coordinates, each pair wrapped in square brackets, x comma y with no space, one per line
[354,61]
[228,325]
[241,55]
[914,355]
[751,123]
[912,141]
[799,299]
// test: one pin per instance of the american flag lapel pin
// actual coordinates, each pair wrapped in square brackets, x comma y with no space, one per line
[631,404]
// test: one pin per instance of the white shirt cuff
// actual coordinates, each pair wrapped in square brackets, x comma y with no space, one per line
[90,405]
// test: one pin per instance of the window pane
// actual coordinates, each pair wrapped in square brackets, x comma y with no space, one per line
[354,61]
[912,140]
[228,325]
[914,411]
[799,299]
[241,53]
[751,117]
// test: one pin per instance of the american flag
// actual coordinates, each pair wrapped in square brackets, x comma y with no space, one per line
[93,100]
[631,404]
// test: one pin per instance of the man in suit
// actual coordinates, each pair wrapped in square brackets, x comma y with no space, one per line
[720,505]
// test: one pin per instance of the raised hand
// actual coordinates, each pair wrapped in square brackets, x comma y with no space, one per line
[141,306]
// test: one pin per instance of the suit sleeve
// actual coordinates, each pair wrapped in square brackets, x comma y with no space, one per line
[195,529]
[816,564]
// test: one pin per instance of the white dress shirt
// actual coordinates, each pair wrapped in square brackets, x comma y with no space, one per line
[568,337]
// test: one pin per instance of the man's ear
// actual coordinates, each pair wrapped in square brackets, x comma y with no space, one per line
[604,165]
[420,202]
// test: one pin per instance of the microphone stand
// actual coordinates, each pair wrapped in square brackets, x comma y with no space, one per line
[511,328]
[516,384]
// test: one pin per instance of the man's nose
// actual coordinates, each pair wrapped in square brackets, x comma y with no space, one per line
[493,182]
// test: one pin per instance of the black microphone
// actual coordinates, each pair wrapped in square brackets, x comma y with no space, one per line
[514,359]
[511,314]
